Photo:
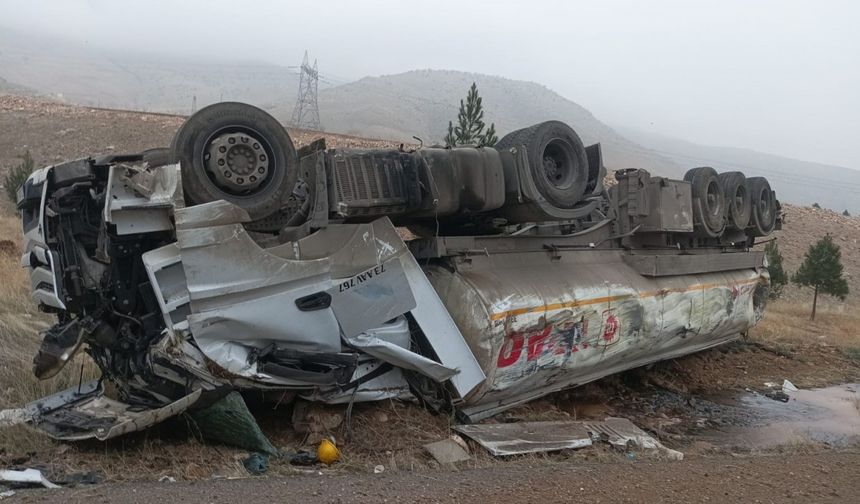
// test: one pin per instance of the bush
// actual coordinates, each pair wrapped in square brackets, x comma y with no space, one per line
[778,276]
[17,176]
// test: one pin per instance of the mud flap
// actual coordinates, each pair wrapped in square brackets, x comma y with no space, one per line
[85,413]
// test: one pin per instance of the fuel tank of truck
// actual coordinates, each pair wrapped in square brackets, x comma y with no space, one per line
[539,322]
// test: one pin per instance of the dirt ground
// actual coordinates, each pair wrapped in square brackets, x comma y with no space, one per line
[821,477]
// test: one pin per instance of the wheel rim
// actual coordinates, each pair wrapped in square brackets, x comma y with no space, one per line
[557,162]
[740,198]
[714,199]
[238,161]
[765,207]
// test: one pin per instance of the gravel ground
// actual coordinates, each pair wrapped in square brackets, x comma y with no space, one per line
[822,477]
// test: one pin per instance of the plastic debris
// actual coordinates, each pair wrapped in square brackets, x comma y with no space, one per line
[302,458]
[7,493]
[256,463]
[379,469]
[27,476]
[787,387]
[327,452]
[167,479]
[228,421]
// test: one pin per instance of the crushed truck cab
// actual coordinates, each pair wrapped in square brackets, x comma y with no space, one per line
[476,278]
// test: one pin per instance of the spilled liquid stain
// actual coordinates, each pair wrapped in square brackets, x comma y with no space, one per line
[828,416]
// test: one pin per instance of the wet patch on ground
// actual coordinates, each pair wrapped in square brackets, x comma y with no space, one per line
[749,420]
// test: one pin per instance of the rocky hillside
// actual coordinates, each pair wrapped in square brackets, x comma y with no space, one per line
[805,225]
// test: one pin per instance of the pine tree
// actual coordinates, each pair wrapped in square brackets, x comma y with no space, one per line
[470,123]
[778,277]
[822,270]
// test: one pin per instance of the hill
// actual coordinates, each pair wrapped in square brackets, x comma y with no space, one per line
[799,182]
[421,103]
[77,73]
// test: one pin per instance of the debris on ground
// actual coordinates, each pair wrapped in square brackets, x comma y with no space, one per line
[81,478]
[303,458]
[26,477]
[327,452]
[228,421]
[530,437]
[447,451]
[7,493]
[527,437]
[256,463]
[378,469]
[777,395]
[167,479]
[787,387]
[622,433]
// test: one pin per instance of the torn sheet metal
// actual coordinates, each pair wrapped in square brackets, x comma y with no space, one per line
[371,298]
[377,344]
[142,201]
[621,432]
[84,413]
[527,437]
[244,298]
[367,245]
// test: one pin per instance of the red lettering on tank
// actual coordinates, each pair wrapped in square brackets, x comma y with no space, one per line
[610,329]
[537,341]
[511,350]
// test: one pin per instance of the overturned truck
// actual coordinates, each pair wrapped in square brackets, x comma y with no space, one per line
[473,278]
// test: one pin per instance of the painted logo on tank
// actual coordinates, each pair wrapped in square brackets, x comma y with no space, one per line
[562,339]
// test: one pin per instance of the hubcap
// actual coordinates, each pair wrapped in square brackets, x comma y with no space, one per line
[237,161]
[557,167]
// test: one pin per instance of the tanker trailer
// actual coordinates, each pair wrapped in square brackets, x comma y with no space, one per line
[232,261]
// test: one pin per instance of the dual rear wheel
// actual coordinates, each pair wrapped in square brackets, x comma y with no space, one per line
[731,201]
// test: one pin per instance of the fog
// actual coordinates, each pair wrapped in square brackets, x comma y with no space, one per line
[775,76]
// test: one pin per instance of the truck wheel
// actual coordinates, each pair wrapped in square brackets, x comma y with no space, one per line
[738,201]
[709,202]
[557,160]
[763,218]
[238,153]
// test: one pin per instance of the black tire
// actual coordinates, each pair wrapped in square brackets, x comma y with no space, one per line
[709,202]
[557,160]
[763,215]
[262,147]
[156,157]
[738,200]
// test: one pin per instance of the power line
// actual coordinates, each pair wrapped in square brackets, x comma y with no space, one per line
[306,114]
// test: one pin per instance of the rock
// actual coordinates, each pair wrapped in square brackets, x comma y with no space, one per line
[447,451]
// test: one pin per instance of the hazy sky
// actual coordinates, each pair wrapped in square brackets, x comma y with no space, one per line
[777,76]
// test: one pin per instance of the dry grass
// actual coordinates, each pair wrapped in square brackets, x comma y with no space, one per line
[20,323]
[788,323]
